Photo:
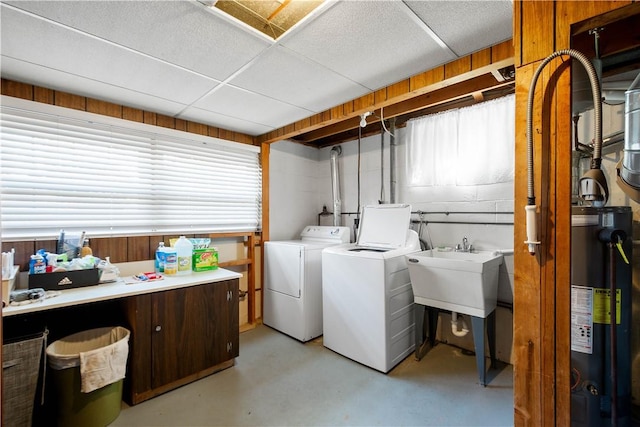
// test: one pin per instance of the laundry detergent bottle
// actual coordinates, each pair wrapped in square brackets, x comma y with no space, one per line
[184,249]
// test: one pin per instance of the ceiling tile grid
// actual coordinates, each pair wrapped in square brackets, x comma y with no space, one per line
[182,33]
[184,59]
[60,48]
[373,43]
[239,103]
[467,26]
[289,77]
[13,69]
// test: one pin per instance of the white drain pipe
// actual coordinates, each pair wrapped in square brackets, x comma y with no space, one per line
[335,186]
[454,325]
[392,161]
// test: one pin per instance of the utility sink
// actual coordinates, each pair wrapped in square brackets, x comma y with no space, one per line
[464,282]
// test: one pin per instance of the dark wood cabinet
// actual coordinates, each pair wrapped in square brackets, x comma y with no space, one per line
[179,336]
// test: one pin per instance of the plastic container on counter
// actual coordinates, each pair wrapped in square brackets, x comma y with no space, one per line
[170,261]
[160,258]
[184,249]
[37,265]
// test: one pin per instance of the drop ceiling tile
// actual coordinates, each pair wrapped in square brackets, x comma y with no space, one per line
[170,56]
[286,76]
[235,102]
[375,44]
[467,26]
[58,48]
[180,32]
[225,122]
[17,70]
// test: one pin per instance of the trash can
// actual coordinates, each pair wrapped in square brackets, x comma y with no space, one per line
[87,370]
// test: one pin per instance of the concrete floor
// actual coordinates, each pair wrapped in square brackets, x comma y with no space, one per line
[278,381]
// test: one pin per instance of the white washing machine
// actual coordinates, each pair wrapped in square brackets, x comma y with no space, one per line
[366,290]
[293,281]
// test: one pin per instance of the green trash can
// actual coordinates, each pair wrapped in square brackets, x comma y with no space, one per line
[87,370]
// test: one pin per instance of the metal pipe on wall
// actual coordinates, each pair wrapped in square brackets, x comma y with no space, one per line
[335,186]
[392,160]
[381,200]
[414,221]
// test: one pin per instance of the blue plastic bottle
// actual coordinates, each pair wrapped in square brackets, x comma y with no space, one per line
[160,258]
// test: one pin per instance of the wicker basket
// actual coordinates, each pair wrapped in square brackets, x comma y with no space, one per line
[20,370]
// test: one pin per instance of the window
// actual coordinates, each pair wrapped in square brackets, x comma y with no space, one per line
[77,171]
[468,146]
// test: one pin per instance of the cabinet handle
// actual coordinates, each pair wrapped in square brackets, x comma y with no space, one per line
[229,295]
[229,347]
[158,328]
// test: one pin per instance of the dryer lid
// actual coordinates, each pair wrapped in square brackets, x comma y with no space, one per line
[384,226]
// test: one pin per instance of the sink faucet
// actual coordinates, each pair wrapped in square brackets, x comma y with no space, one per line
[465,247]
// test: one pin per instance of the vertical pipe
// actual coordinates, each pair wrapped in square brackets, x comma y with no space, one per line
[381,168]
[335,186]
[392,160]
[613,336]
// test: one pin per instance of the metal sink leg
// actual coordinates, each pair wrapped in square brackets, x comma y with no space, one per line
[426,323]
[480,325]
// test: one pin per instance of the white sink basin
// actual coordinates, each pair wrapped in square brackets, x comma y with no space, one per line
[464,282]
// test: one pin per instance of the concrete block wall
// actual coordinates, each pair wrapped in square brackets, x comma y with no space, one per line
[301,185]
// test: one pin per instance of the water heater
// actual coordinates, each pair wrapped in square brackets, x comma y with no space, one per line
[600,354]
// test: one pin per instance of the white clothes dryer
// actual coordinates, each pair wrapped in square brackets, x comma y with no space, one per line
[293,281]
[366,290]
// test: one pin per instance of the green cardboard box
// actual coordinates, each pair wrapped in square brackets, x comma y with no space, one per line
[205,259]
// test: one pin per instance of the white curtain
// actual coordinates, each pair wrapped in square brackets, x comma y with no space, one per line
[467,146]
[431,149]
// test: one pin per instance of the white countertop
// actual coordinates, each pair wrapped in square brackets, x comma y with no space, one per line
[119,289]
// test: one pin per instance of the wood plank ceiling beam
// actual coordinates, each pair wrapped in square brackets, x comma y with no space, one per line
[474,87]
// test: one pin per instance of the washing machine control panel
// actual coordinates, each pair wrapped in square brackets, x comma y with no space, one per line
[326,233]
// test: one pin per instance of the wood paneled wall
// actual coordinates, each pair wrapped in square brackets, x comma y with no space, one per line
[76,102]
[119,249]
[542,282]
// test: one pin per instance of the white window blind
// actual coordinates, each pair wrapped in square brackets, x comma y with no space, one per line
[64,169]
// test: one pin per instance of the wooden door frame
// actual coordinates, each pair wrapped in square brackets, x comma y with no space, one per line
[541,322]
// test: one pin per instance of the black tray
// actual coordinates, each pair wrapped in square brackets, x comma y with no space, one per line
[64,280]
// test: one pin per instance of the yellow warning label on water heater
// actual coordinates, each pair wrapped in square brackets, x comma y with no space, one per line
[601,305]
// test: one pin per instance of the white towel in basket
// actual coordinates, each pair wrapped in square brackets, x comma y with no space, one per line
[103,366]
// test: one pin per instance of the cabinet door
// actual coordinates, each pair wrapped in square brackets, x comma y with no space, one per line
[138,310]
[191,329]
[228,322]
